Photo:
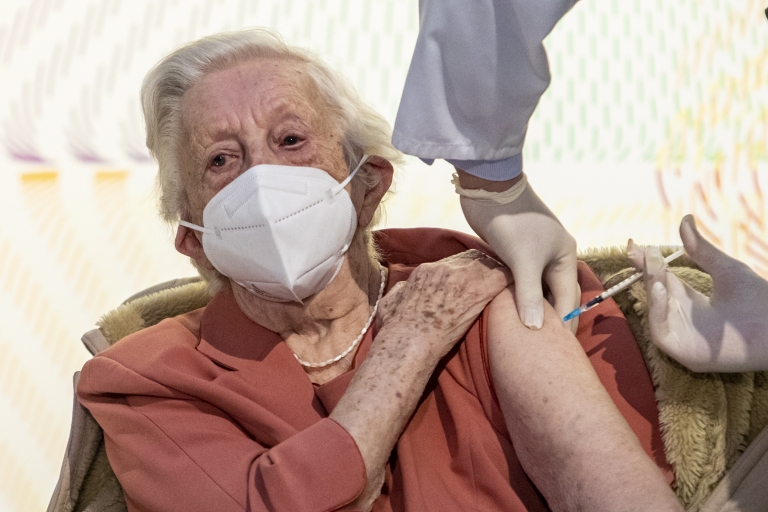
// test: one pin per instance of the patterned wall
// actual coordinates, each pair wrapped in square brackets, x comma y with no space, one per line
[656,109]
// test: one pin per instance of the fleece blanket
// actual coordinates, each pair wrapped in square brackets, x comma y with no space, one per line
[707,419]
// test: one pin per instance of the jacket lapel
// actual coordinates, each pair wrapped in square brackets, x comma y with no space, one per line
[263,368]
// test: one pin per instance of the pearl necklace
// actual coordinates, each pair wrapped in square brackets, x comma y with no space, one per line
[358,339]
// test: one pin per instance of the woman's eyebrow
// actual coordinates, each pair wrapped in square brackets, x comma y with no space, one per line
[215,135]
[281,109]
[220,133]
[288,114]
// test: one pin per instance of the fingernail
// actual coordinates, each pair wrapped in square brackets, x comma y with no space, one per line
[657,289]
[533,318]
[691,222]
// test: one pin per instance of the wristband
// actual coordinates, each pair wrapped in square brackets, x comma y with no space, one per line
[493,198]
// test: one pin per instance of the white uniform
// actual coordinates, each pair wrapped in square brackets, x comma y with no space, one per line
[477,73]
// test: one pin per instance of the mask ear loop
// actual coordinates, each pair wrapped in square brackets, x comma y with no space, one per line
[197,228]
[338,188]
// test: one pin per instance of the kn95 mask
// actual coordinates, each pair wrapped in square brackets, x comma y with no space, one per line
[280,231]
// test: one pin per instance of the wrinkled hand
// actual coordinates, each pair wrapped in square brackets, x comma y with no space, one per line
[439,302]
[527,236]
[725,333]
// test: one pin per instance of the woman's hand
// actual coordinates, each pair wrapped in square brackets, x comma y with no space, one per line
[419,321]
[727,332]
[438,303]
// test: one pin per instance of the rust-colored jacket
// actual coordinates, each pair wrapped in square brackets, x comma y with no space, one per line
[209,411]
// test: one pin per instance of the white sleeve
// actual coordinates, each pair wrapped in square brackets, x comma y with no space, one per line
[477,73]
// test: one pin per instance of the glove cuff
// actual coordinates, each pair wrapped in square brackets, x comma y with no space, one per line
[492,198]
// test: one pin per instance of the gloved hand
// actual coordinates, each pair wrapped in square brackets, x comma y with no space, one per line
[527,236]
[725,333]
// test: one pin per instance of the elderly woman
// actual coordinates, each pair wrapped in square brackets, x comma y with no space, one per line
[325,374]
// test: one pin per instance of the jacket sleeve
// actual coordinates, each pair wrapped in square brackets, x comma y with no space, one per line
[478,70]
[174,453]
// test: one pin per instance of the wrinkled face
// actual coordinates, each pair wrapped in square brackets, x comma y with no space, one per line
[264,111]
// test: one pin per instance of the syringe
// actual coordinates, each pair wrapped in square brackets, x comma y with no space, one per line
[613,290]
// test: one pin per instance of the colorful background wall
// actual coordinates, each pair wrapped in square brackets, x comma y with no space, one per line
[656,109]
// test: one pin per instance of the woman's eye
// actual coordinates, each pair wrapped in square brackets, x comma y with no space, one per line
[290,140]
[219,161]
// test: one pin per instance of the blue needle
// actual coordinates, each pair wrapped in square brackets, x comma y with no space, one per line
[613,290]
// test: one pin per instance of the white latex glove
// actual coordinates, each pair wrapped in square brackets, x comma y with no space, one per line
[725,333]
[527,236]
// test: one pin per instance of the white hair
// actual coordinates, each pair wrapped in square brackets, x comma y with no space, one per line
[363,130]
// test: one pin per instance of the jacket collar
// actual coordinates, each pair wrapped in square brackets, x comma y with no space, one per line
[232,340]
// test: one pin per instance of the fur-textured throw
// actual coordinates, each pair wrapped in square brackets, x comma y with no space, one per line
[707,419]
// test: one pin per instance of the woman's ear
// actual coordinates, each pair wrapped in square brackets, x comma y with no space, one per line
[383,169]
[188,244]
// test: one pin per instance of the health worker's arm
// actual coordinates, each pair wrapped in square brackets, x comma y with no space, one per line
[476,76]
[569,436]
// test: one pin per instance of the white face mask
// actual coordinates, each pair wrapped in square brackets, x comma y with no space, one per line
[280,231]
